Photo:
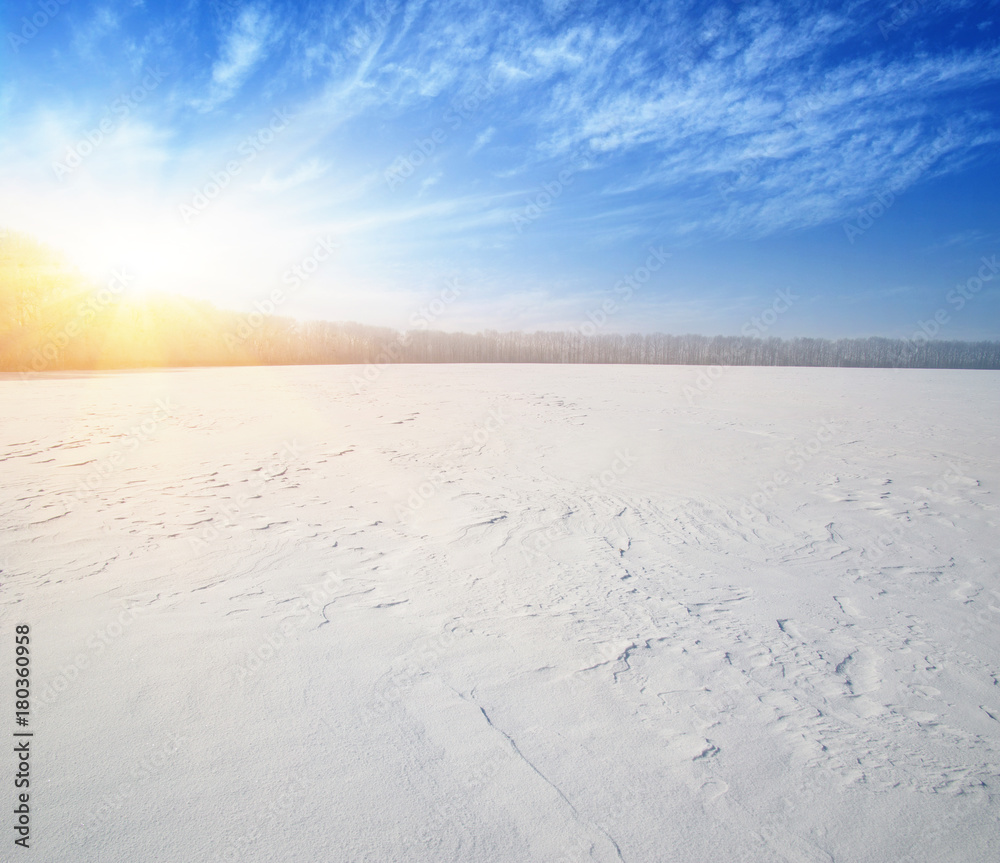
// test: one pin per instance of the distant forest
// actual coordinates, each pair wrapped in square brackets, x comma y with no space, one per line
[52,319]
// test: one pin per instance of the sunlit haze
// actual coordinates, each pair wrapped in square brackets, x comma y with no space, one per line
[532,154]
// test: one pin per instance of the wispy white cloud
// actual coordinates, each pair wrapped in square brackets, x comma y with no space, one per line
[482,139]
[685,120]
[87,36]
[429,181]
[853,123]
[243,47]
[307,172]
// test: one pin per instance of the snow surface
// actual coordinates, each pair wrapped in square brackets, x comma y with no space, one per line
[506,613]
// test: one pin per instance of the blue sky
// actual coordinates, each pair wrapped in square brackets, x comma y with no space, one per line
[520,159]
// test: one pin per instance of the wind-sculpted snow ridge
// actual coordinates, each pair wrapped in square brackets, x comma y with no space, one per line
[532,613]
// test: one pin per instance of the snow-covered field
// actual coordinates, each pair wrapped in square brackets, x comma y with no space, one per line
[506,613]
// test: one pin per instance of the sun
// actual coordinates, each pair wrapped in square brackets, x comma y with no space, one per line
[127,254]
[230,256]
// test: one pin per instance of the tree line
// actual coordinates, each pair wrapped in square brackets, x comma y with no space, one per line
[53,319]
